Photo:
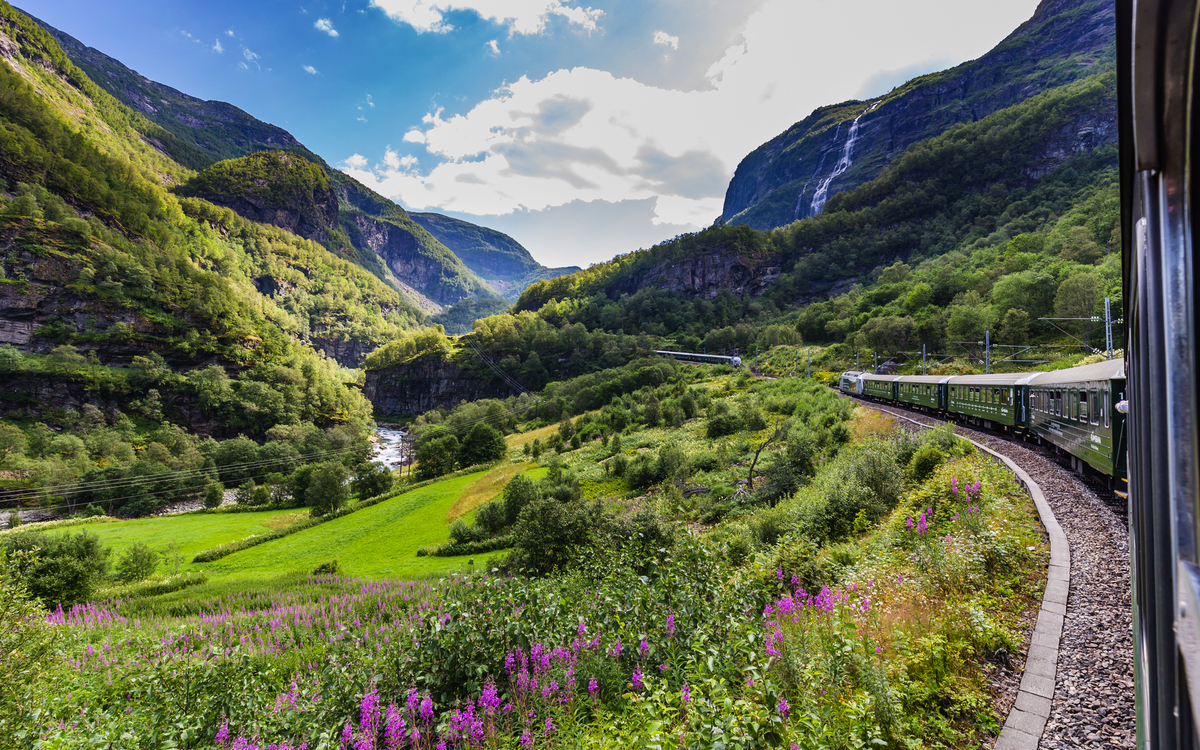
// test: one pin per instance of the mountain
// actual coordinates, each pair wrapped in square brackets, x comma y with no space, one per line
[217,130]
[498,259]
[415,257]
[842,146]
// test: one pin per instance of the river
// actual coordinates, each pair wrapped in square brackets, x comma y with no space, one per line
[389,449]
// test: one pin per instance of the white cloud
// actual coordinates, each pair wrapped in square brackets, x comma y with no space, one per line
[493,46]
[395,162]
[217,47]
[356,161]
[520,16]
[370,103]
[665,39]
[324,24]
[584,135]
[229,32]
[310,70]
[243,66]
[250,56]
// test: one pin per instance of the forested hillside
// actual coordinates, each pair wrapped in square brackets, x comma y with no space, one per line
[138,326]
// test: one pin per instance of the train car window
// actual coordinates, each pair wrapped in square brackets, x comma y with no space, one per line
[1104,405]
[1083,406]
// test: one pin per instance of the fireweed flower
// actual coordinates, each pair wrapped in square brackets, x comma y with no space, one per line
[393,733]
[670,623]
[347,735]
[644,648]
[685,693]
[783,707]
[593,689]
[910,523]
[636,680]
[954,485]
[223,734]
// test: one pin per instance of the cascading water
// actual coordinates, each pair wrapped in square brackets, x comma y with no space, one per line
[822,193]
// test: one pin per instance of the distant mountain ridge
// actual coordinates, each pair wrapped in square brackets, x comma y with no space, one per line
[498,259]
[842,146]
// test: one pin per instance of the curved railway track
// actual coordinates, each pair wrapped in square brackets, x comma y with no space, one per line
[1093,701]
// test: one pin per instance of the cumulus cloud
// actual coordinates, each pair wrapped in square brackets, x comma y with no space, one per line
[310,70]
[494,47]
[665,39]
[356,161]
[324,24]
[520,16]
[585,135]
[217,47]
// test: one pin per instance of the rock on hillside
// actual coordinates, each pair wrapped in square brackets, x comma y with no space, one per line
[839,147]
[425,383]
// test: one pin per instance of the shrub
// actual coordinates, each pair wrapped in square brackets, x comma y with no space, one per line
[461,532]
[60,569]
[549,532]
[261,496]
[245,493]
[924,462]
[372,479]
[518,493]
[482,445]
[489,518]
[436,456]
[328,488]
[136,563]
[328,568]
[14,519]
[214,495]
[721,421]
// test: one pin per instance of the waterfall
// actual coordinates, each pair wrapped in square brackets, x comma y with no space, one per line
[822,193]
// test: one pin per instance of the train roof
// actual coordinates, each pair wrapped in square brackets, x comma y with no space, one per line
[852,373]
[883,378]
[1113,369]
[996,378]
[924,378]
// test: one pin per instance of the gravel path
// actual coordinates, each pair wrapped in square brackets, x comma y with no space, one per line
[1093,696]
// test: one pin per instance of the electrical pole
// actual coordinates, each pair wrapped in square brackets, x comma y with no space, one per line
[857,366]
[810,366]
[923,372]
[987,352]
[876,363]
[1108,325]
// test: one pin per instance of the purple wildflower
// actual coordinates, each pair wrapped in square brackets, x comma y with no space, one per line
[783,707]
[644,648]
[393,733]
[685,693]
[223,734]
[593,688]
[954,485]
[636,680]
[670,623]
[347,735]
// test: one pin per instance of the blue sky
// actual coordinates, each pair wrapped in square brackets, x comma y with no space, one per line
[583,129]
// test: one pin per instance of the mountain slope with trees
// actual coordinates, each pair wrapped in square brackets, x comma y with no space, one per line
[779,182]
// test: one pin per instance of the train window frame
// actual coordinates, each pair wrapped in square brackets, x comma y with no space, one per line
[1107,410]
[1095,413]
[1083,406]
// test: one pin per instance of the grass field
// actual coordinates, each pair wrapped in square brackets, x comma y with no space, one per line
[192,533]
[378,542]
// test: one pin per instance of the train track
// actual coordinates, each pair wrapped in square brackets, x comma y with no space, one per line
[1093,704]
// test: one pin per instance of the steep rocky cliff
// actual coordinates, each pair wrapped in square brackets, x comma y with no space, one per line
[839,147]
[426,383]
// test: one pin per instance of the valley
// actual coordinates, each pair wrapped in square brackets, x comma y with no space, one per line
[448,496]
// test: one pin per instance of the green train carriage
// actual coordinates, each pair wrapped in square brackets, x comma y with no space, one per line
[1001,399]
[1076,410]
[926,391]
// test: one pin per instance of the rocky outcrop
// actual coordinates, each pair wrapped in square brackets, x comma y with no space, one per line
[312,221]
[413,388]
[776,184]
[400,249]
[706,276]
